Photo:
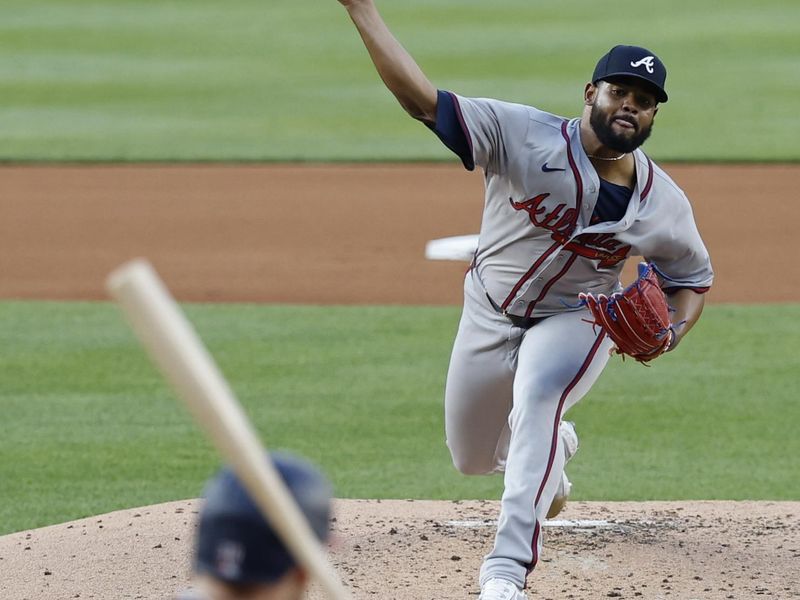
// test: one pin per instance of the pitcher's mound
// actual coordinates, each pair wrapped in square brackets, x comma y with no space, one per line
[420,550]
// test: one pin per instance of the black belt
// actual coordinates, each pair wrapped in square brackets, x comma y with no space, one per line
[516,320]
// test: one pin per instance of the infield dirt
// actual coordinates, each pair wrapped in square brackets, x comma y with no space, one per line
[330,234]
[351,235]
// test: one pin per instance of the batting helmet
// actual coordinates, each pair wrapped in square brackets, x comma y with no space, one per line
[236,544]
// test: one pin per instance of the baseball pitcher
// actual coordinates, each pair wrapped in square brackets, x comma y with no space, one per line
[567,202]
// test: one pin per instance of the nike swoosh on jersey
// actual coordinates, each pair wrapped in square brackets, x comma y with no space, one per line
[547,169]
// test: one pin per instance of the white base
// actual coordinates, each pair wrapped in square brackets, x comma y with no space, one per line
[459,247]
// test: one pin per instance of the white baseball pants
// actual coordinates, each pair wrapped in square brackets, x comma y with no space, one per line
[507,390]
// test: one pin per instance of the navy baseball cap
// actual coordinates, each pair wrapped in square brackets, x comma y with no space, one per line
[633,61]
[235,544]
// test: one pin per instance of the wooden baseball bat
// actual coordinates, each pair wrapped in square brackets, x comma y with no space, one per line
[176,349]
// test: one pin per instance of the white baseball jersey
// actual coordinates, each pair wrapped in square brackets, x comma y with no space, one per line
[537,248]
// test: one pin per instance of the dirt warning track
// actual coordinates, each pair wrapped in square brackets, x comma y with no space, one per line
[323,234]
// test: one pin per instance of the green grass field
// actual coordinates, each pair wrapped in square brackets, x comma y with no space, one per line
[108,80]
[89,426]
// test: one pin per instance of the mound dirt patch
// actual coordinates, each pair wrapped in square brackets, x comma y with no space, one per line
[420,550]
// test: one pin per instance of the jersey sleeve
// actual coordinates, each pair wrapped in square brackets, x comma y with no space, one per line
[450,128]
[682,259]
[494,130]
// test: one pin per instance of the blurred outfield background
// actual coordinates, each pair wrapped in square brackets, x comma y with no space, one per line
[108,80]
[88,426]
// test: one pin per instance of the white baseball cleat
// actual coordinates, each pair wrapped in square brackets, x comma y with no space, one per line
[570,440]
[560,499]
[501,589]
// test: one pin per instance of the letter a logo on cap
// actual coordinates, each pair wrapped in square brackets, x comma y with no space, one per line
[647,61]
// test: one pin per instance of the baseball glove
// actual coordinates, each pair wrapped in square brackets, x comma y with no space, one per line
[636,319]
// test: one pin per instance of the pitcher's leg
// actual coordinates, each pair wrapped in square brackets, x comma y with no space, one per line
[559,360]
[479,387]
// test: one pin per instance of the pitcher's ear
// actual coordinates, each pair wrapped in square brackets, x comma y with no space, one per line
[589,94]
